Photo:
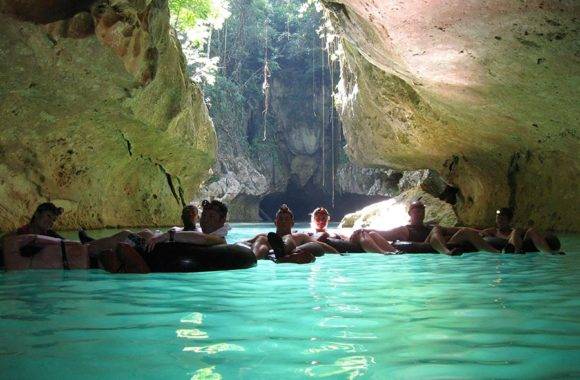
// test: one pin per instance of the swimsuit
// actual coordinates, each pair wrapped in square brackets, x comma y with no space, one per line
[418,233]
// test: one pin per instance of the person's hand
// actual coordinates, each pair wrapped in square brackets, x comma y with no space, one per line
[356,235]
[323,237]
[154,240]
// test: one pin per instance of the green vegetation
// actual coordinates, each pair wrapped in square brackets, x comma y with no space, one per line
[264,69]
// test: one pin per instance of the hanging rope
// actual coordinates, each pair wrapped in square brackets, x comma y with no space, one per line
[313,76]
[331,68]
[287,20]
[266,83]
[323,113]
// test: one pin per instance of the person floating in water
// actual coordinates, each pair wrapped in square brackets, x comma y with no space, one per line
[288,247]
[417,231]
[514,240]
[214,229]
[137,240]
[320,218]
[36,245]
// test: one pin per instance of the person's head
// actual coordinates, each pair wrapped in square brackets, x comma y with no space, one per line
[213,216]
[284,219]
[45,216]
[503,218]
[189,216]
[319,220]
[417,212]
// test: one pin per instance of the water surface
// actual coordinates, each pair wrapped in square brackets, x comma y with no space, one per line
[366,315]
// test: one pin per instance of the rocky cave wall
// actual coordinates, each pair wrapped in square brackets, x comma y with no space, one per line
[97,114]
[483,92]
[289,166]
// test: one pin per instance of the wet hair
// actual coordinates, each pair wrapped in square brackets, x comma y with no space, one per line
[506,211]
[188,224]
[416,204]
[218,206]
[284,209]
[320,210]
[47,207]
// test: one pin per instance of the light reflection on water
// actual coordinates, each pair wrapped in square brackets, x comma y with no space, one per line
[424,316]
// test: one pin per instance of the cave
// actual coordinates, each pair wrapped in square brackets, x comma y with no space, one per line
[303,200]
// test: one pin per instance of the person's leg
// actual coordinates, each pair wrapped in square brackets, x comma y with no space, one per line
[469,235]
[437,240]
[131,259]
[367,243]
[516,240]
[399,233]
[96,246]
[260,247]
[299,256]
[539,241]
[289,244]
[382,243]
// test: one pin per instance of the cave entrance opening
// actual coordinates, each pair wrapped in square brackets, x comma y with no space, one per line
[273,67]
[303,202]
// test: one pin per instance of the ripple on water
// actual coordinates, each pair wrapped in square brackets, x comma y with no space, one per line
[426,316]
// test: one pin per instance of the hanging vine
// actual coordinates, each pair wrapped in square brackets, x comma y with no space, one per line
[332,134]
[323,113]
[266,83]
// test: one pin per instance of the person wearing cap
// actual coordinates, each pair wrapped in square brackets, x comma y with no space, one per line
[417,231]
[36,245]
[517,240]
[288,246]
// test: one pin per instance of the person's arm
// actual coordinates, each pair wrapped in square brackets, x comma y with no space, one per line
[449,231]
[198,238]
[487,232]
[191,237]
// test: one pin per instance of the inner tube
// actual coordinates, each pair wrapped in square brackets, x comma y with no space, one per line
[415,247]
[184,257]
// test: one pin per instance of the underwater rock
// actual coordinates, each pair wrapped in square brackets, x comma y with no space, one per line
[431,86]
[98,114]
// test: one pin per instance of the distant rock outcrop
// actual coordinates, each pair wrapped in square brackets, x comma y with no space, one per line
[483,92]
[97,114]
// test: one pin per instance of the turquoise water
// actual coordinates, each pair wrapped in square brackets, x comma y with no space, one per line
[368,316]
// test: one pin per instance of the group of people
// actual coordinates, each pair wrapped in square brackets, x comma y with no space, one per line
[453,240]
[37,245]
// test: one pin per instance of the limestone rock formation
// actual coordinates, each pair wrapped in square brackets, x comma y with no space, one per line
[483,92]
[97,114]
[393,212]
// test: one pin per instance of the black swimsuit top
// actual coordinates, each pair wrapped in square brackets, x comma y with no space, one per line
[418,233]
